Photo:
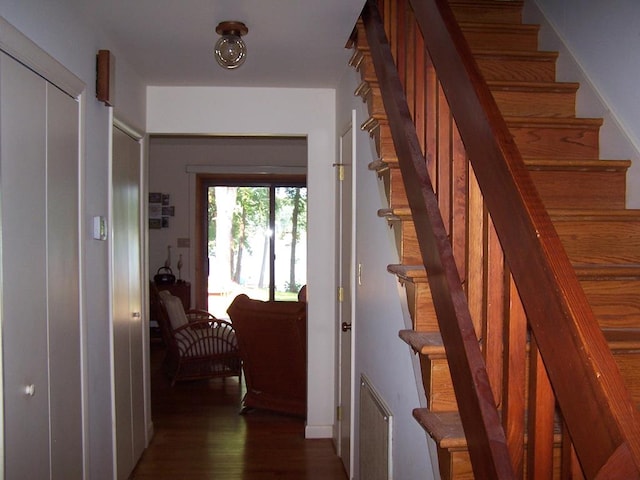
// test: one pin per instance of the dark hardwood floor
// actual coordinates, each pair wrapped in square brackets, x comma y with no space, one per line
[199,434]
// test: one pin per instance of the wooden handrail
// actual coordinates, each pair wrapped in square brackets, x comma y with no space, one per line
[600,415]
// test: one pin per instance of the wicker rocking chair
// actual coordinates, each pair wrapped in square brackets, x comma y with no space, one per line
[199,346]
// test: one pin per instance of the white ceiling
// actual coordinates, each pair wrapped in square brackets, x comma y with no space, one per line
[291,43]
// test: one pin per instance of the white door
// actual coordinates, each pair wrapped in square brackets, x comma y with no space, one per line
[39,184]
[127,319]
[345,274]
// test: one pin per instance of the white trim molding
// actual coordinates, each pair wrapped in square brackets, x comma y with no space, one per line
[15,44]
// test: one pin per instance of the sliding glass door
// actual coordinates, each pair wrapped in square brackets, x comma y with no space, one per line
[255,239]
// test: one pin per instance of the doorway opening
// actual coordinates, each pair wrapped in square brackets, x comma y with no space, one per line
[251,239]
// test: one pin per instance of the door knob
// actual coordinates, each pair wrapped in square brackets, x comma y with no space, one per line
[346,326]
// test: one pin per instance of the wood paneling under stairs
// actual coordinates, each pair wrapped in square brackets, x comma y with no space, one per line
[199,434]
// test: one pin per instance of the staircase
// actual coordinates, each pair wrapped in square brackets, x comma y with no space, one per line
[540,207]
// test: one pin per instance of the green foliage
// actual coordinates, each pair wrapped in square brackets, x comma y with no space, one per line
[211,220]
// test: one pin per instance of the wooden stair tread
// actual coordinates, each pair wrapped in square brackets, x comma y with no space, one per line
[595,215]
[424,343]
[378,166]
[539,163]
[620,339]
[430,343]
[412,273]
[446,428]
[542,56]
[576,164]
[395,214]
[631,271]
[555,122]
[532,87]
[515,4]
[498,27]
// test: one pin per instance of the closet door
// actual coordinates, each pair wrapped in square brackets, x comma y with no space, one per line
[63,285]
[40,293]
[23,103]
[127,320]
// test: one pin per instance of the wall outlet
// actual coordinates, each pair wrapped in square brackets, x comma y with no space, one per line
[184,242]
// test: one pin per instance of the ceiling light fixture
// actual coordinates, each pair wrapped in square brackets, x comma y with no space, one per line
[230,50]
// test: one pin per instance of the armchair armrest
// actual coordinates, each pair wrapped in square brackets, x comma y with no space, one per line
[202,338]
[196,315]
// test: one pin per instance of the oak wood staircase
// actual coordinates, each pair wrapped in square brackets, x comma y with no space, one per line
[520,261]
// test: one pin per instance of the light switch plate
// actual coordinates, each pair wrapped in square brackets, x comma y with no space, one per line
[99,227]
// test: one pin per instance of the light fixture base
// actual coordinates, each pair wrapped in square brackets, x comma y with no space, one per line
[232,28]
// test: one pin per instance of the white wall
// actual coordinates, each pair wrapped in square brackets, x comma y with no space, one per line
[381,310]
[74,41]
[265,111]
[598,44]
[169,158]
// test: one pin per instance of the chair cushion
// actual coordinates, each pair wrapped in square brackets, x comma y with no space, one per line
[175,309]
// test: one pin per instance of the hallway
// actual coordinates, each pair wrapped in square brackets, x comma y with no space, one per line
[199,435]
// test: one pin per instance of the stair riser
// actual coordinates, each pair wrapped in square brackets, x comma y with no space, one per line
[535,103]
[581,189]
[438,386]
[397,195]
[441,396]
[507,40]
[516,70]
[367,70]
[597,242]
[393,188]
[456,464]
[495,12]
[580,143]
[384,144]
[408,244]
[373,99]
[615,302]
[629,365]
[420,306]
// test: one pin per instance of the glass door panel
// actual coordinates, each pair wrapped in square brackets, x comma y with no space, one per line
[256,243]
[238,245]
[290,236]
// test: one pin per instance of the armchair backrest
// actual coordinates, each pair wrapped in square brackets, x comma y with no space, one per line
[174,308]
[272,339]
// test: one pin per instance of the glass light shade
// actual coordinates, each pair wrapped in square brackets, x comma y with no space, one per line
[230,51]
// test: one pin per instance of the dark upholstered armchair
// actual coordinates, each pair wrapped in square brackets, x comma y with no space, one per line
[272,338]
[199,346]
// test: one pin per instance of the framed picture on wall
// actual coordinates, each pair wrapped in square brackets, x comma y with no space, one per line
[168,211]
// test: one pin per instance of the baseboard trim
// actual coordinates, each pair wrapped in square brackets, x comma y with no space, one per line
[318,431]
